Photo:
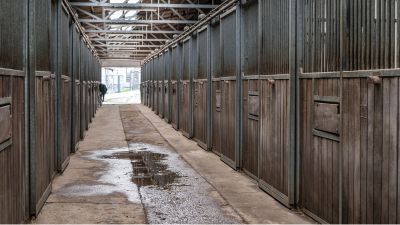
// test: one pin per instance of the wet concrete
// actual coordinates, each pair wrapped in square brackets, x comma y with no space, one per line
[92,189]
[129,171]
[237,189]
[130,174]
[174,192]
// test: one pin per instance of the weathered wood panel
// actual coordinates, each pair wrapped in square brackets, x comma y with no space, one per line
[184,90]
[166,101]
[65,128]
[250,132]
[229,87]
[200,71]
[174,104]
[167,85]
[176,76]
[200,113]
[215,49]
[369,151]
[13,154]
[155,72]
[45,140]
[319,155]
[228,122]
[184,108]
[274,149]
[77,96]
[216,118]
[160,95]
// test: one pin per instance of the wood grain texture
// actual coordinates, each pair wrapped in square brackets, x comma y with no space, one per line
[12,158]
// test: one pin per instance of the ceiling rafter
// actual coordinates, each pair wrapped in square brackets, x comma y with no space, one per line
[133,29]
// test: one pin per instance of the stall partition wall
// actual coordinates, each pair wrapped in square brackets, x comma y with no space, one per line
[215,64]
[144,84]
[156,73]
[176,73]
[349,169]
[154,85]
[185,90]
[76,87]
[35,93]
[319,111]
[12,117]
[44,158]
[160,93]
[65,92]
[167,85]
[320,150]
[201,88]
[251,89]
[230,86]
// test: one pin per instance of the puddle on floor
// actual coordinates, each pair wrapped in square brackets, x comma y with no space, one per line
[148,168]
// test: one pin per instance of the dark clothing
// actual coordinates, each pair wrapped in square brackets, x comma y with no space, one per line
[103,91]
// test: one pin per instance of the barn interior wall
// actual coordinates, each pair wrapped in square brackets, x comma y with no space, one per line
[48,83]
[300,95]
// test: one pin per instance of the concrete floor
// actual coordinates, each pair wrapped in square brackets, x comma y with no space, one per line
[133,167]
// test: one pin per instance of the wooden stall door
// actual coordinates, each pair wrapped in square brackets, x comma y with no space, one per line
[77,113]
[216,118]
[83,110]
[87,106]
[65,128]
[274,149]
[319,159]
[184,107]
[155,97]
[146,94]
[174,105]
[161,99]
[166,102]
[251,117]
[44,142]
[151,94]
[228,122]
[200,113]
[12,148]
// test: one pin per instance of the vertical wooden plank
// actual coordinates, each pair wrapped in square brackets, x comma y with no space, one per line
[363,147]
[385,150]
[392,24]
[356,105]
[377,154]
[393,150]
[345,153]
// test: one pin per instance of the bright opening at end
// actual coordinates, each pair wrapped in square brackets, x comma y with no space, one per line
[122,83]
